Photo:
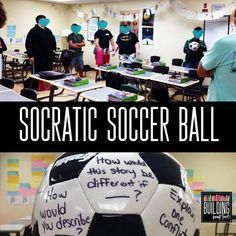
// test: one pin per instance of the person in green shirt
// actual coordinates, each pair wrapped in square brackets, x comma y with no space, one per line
[194,48]
[76,42]
[220,64]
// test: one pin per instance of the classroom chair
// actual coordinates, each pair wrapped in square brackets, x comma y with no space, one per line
[135,65]
[66,58]
[29,93]
[9,83]
[129,88]
[177,62]
[161,69]
[193,93]
[114,80]
[159,92]
[155,58]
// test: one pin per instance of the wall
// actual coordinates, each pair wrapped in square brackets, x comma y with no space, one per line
[218,172]
[23,13]
[216,169]
[14,212]
[170,30]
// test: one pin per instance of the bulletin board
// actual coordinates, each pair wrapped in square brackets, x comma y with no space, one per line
[215,29]
[92,28]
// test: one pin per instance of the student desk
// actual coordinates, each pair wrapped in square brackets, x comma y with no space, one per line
[12,228]
[118,70]
[16,55]
[59,83]
[16,69]
[80,89]
[3,88]
[164,80]
[11,96]
[180,69]
[101,95]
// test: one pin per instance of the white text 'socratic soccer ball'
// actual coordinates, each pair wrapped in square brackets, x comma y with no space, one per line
[115,194]
[194,46]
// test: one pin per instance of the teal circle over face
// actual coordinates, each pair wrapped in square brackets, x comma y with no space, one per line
[125,29]
[102,24]
[76,28]
[44,22]
[198,33]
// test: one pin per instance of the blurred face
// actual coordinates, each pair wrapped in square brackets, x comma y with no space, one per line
[102,25]
[197,33]
[44,22]
[125,29]
[76,29]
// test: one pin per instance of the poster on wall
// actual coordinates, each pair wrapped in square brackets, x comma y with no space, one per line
[217,7]
[92,27]
[11,31]
[148,17]
[20,190]
[132,17]
[147,36]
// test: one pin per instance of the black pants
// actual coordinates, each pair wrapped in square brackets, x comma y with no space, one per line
[42,63]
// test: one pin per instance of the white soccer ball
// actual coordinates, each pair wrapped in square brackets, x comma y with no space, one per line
[115,194]
[194,46]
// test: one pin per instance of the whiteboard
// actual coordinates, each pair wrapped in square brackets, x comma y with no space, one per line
[215,29]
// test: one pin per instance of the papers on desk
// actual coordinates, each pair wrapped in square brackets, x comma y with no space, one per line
[108,67]
[179,79]
[75,82]
[122,96]
[135,71]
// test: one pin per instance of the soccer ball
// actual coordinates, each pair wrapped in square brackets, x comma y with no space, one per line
[115,194]
[194,46]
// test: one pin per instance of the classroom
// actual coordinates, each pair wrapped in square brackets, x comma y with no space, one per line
[18,195]
[162,28]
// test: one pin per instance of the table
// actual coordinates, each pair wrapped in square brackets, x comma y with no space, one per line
[101,95]
[154,77]
[59,83]
[179,69]
[3,88]
[12,228]
[165,80]
[15,66]
[16,55]
[80,89]
[11,96]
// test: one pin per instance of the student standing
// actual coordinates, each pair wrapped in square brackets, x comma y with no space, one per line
[3,18]
[127,43]
[103,39]
[76,42]
[3,15]
[220,64]
[40,45]
[3,48]
[194,49]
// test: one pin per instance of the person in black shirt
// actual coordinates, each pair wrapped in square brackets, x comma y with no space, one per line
[3,15]
[127,43]
[3,46]
[194,49]
[103,39]
[40,45]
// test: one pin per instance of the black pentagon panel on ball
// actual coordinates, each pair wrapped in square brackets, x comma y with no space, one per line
[69,166]
[116,225]
[165,168]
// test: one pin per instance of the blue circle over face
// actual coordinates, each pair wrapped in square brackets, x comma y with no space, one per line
[102,24]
